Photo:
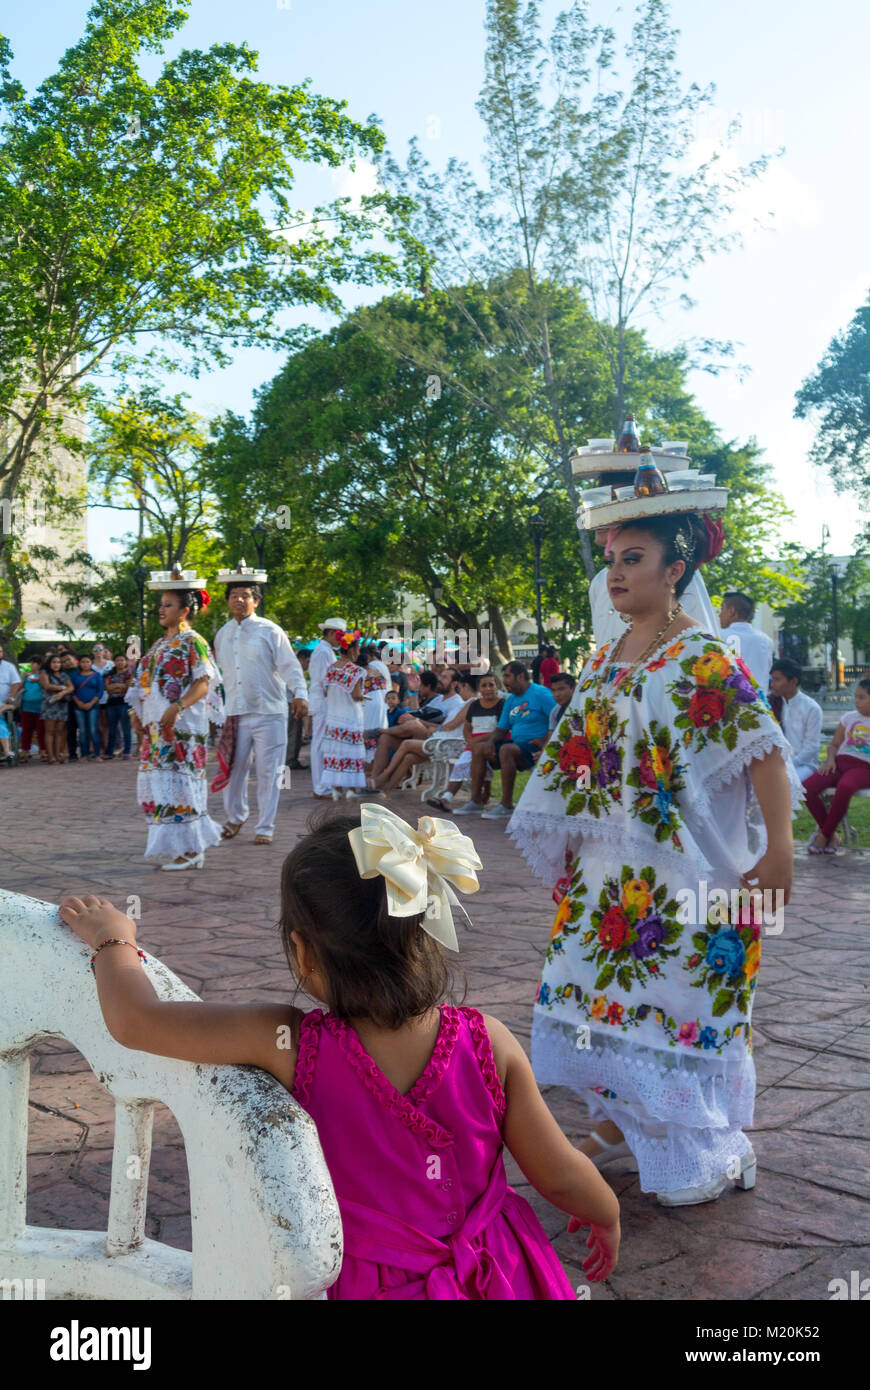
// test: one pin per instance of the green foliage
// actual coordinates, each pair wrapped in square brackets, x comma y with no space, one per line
[837,397]
[160,212]
[392,493]
[147,454]
[587,187]
[810,617]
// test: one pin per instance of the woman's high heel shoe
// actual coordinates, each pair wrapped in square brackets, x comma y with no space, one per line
[197,862]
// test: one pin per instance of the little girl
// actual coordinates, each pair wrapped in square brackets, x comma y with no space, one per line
[343,743]
[414,1099]
[847,767]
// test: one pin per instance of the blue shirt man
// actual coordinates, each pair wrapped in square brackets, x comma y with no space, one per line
[523,729]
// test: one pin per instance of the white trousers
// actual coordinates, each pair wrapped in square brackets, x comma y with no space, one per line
[263,737]
[319,784]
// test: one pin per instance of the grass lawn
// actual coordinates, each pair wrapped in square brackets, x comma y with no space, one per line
[804,825]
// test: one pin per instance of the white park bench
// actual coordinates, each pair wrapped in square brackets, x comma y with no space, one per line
[265,1223]
[443,752]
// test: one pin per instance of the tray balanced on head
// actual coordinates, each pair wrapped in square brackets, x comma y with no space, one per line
[595,465]
[696,499]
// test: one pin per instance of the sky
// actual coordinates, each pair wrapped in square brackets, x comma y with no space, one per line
[787,69]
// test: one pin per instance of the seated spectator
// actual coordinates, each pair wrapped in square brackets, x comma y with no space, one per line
[521,732]
[410,753]
[31,712]
[562,686]
[87,689]
[846,769]
[57,689]
[118,682]
[396,711]
[481,717]
[433,694]
[799,715]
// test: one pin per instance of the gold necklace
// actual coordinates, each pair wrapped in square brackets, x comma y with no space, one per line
[656,642]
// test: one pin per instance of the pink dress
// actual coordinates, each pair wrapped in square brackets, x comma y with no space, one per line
[420,1181]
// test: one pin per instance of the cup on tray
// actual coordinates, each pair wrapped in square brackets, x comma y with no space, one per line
[602,446]
[682,479]
[595,496]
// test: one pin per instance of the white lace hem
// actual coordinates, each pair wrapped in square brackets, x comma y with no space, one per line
[682,1115]
[173,838]
[543,840]
[684,1088]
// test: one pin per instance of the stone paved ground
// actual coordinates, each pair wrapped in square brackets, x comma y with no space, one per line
[808,1220]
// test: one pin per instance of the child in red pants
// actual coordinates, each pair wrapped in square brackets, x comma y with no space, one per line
[847,770]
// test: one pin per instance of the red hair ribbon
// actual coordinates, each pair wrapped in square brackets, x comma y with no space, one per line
[715,540]
[204,597]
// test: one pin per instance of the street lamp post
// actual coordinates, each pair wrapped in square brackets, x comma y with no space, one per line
[835,645]
[437,595]
[259,533]
[537,525]
[140,575]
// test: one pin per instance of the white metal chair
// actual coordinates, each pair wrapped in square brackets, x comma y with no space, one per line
[264,1217]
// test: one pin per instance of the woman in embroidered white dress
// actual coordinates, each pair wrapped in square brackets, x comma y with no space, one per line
[666,779]
[343,745]
[173,697]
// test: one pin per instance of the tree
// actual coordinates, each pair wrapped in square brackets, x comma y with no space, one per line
[810,618]
[586,187]
[148,455]
[151,219]
[390,491]
[837,397]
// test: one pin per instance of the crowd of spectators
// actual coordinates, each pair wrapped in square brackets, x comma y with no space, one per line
[69,706]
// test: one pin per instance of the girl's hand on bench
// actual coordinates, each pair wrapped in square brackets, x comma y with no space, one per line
[94,920]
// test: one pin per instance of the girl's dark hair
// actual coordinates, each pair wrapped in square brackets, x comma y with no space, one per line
[864,683]
[429,679]
[682,537]
[375,966]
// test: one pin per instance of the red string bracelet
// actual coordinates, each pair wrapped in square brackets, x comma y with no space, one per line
[116,941]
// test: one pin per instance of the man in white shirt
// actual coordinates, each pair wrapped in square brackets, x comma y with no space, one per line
[750,643]
[801,717]
[322,658]
[257,663]
[10,684]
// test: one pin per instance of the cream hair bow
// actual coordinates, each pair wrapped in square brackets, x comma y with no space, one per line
[416,865]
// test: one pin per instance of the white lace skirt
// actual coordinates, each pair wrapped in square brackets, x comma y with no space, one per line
[682,1116]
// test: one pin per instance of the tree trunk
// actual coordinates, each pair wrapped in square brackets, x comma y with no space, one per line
[501,646]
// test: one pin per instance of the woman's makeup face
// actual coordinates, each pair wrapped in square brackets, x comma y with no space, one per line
[170,610]
[637,579]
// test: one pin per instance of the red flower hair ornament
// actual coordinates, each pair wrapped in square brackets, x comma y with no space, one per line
[715,540]
[204,597]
